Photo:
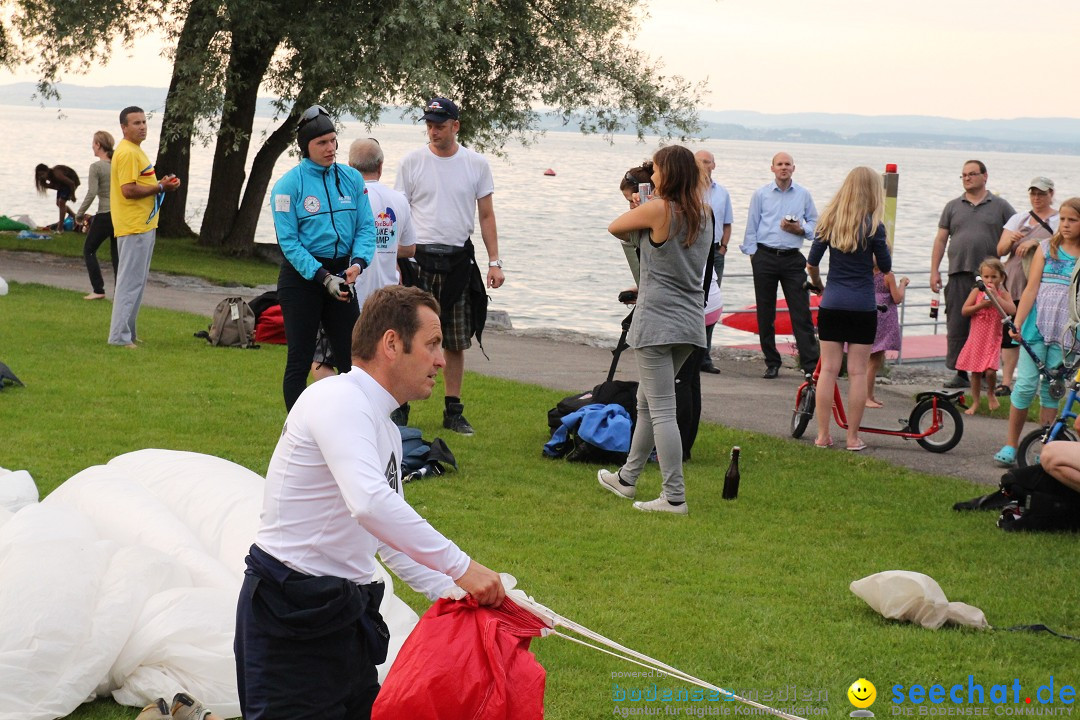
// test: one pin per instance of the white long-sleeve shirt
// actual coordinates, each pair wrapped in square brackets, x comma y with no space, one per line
[334,495]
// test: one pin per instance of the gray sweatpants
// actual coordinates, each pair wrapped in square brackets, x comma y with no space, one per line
[656,424]
[135,254]
[956,325]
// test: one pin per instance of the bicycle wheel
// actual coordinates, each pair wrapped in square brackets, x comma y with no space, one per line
[1027,453]
[804,411]
[950,432]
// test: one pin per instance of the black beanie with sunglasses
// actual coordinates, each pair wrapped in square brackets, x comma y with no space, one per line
[308,130]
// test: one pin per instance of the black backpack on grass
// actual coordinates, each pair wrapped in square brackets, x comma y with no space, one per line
[1040,502]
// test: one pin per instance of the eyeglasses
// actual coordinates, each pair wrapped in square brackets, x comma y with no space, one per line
[630,179]
[374,141]
[965,176]
[311,113]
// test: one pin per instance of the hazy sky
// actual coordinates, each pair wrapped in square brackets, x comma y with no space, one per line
[956,58]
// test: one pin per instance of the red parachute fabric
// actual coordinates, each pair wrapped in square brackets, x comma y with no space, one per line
[466,662]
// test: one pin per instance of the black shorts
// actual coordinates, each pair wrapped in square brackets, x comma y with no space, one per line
[857,327]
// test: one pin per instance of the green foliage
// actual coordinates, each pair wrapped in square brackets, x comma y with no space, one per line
[176,256]
[750,594]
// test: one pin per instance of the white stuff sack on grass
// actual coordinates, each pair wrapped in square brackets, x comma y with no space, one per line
[17,490]
[917,598]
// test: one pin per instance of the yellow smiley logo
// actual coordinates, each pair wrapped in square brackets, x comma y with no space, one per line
[862,693]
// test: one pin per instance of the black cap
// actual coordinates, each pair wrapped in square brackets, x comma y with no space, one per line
[315,122]
[439,110]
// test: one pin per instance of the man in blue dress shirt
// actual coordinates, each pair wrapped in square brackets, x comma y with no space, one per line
[719,200]
[781,216]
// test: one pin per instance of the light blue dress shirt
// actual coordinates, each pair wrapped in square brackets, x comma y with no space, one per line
[768,207]
[720,201]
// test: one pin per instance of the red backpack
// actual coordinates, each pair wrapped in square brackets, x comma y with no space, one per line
[270,327]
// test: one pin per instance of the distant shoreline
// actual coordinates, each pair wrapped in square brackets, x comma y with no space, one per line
[1057,136]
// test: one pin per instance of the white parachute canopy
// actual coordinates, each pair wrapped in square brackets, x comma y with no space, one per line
[124,581]
[917,598]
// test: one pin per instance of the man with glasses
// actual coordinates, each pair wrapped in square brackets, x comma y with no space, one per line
[969,228]
[446,184]
[326,232]
[136,198]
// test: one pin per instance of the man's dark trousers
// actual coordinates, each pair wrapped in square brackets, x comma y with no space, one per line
[788,269]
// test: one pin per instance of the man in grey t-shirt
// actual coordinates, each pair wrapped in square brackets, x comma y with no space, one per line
[970,227]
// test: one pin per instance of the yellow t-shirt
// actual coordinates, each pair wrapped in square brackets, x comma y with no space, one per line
[131,165]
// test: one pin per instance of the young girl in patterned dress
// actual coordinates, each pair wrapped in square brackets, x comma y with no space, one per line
[982,350]
[1041,316]
[888,291]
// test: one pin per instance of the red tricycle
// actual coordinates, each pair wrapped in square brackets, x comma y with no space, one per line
[935,423]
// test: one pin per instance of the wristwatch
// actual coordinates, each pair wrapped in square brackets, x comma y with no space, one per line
[495,263]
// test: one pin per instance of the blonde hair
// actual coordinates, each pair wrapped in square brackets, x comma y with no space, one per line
[996,265]
[860,200]
[1056,241]
[105,142]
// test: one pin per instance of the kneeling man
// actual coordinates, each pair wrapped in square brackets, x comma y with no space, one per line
[308,629]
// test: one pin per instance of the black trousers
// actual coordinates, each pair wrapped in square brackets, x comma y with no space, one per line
[304,304]
[101,229]
[789,271]
[688,399]
[300,652]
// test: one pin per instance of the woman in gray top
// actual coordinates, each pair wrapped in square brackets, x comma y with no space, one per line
[101,228]
[674,229]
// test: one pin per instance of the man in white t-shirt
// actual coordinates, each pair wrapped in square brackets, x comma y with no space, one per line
[447,185]
[308,629]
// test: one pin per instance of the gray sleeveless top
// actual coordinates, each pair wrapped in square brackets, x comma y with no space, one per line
[671,303]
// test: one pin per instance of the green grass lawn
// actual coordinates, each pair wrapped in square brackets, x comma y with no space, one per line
[177,256]
[751,595]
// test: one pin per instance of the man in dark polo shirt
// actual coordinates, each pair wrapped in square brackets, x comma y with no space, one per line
[970,227]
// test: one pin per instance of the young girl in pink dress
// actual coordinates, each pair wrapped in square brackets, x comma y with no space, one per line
[982,351]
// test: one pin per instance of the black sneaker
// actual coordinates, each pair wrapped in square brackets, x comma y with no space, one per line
[956,382]
[453,420]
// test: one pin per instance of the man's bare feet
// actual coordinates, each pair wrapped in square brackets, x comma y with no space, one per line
[873,404]
[94,296]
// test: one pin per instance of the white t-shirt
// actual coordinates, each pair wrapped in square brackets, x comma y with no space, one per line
[1024,218]
[334,494]
[393,227]
[442,193]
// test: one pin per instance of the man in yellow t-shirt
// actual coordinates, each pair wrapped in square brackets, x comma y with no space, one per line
[136,197]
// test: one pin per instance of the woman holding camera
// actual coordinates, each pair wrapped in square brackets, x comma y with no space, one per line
[669,321]
[850,228]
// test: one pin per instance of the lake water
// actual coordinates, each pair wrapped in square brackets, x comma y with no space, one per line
[563,270]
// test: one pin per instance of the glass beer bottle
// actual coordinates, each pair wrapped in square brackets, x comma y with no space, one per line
[731,478]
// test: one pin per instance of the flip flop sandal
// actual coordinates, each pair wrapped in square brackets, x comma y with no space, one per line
[156,710]
[1006,457]
[857,448]
[1003,390]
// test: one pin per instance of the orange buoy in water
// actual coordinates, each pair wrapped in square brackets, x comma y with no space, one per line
[549,172]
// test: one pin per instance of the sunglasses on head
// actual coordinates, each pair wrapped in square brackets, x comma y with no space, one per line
[311,113]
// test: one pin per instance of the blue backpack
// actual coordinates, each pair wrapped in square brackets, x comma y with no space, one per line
[420,457]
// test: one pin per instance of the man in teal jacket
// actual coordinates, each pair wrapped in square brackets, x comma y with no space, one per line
[324,226]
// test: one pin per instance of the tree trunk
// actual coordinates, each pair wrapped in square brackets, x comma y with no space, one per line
[178,121]
[241,238]
[247,65]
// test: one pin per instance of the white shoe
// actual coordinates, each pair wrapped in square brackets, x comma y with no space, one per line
[610,481]
[661,504]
